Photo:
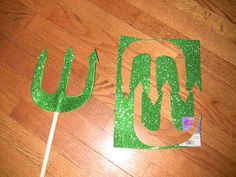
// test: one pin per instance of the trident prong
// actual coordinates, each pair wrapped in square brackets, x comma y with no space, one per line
[58,101]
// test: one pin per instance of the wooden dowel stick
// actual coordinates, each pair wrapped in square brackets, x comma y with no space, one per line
[49,144]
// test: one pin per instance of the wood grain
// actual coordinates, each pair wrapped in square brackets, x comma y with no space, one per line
[83,144]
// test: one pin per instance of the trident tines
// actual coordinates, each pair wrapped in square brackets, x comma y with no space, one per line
[59,102]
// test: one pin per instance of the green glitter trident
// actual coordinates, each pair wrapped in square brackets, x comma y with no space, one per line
[59,102]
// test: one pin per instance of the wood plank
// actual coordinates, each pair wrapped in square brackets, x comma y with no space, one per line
[224,9]
[62,167]
[162,11]
[153,170]
[209,16]
[11,160]
[23,140]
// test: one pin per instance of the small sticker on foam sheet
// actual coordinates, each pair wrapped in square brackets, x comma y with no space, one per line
[195,139]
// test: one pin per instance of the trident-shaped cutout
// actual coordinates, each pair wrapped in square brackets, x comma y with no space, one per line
[59,102]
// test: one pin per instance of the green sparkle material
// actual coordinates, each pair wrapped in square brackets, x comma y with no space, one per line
[166,72]
[59,102]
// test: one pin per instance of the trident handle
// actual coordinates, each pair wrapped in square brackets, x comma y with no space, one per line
[49,144]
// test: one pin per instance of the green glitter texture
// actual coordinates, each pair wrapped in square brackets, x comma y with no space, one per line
[166,71]
[59,102]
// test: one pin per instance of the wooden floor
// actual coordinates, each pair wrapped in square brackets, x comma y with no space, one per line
[83,144]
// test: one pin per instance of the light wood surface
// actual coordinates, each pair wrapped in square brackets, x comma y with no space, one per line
[83,144]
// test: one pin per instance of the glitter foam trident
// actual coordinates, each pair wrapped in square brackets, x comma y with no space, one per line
[59,102]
